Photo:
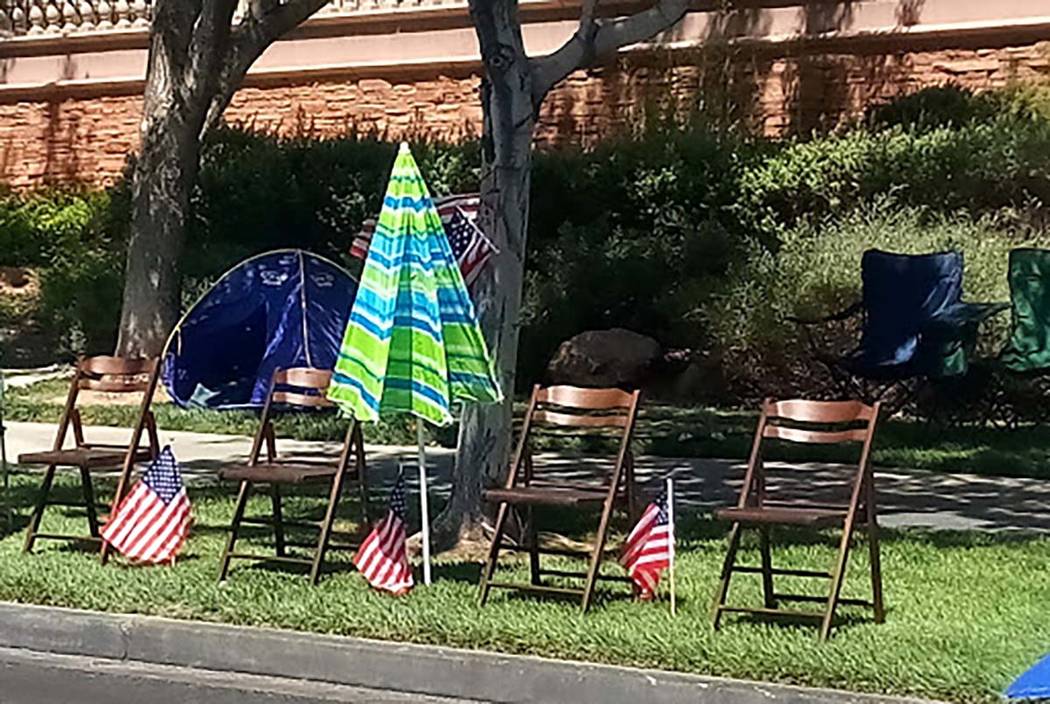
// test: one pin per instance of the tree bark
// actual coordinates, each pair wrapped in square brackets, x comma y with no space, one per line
[165,171]
[512,91]
[509,121]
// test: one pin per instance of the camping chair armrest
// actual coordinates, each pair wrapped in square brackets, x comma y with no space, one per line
[963,315]
[845,314]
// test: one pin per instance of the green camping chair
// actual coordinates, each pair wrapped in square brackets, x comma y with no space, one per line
[1028,349]
[1021,375]
[1015,385]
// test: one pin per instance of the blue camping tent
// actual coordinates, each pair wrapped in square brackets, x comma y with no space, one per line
[283,308]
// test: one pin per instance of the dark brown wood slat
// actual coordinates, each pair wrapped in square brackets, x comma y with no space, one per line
[120,385]
[66,536]
[583,575]
[751,569]
[813,599]
[304,378]
[805,411]
[547,496]
[117,366]
[294,398]
[587,399]
[818,437]
[82,457]
[781,516]
[570,420]
[280,473]
[536,588]
[270,558]
[772,612]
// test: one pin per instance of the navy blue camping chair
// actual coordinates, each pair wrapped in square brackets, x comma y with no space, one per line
[914,324]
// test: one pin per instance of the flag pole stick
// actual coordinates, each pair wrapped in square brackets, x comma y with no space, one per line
[424,508]
[671,537]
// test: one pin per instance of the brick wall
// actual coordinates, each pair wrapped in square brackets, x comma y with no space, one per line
[87,138]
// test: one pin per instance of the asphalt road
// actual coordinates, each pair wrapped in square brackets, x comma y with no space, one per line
[27,677]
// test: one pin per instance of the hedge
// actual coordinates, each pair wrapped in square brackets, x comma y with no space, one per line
[675,231]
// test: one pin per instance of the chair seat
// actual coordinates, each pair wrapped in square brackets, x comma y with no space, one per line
[546,496]
[754,515]
[280,473]
[87,457]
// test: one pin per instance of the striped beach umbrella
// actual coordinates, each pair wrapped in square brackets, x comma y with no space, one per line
[412,343]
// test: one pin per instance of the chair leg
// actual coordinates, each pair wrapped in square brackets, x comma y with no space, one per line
[38,510]
[235,527]
[326,527]
[768,593]
[596,557]
[490,564]
[876,570]
[532,535]
[89,501]
[278,519]
[726,576]
[837,577]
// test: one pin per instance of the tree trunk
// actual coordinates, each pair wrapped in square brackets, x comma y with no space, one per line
[163,177]
[165,171]
[506,95]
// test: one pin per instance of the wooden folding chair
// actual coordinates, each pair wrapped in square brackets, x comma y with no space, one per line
[302,387]
[565,407]
[112,375]
[818,422]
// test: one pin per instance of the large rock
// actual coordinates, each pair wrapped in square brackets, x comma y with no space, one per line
[599,358]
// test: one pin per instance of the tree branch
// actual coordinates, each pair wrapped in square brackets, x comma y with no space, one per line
[597,39]
[265,21]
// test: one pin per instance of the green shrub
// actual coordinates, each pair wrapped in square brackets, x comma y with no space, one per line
[631,234]
[816,272]
[82,281]
[978,167]
[259,192]
[955,106]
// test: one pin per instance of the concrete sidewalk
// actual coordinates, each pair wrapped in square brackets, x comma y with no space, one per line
[906,497]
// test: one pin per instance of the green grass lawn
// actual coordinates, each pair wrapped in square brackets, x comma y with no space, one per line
[966,611]
[663,430]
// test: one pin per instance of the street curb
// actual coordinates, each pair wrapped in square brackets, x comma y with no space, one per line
[431,670]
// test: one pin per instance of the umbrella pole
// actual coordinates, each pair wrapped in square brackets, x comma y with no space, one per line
[424,507]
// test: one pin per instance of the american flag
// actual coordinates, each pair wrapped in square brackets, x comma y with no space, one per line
[382,558]
[459,215]
[649,547]
[153,521]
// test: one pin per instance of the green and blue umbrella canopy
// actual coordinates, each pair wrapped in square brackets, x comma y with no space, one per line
[412,343]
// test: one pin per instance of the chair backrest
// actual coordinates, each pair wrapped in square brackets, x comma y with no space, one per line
[901,293]
[1028,348]
[574,410]
[576,407]
[812,423]
[114,375]
[302,387]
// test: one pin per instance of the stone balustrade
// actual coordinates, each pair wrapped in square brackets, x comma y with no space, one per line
[58,17]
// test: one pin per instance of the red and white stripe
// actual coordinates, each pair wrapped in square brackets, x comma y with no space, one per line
[145,529]
[470,261]
[648,551]
[382,558]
